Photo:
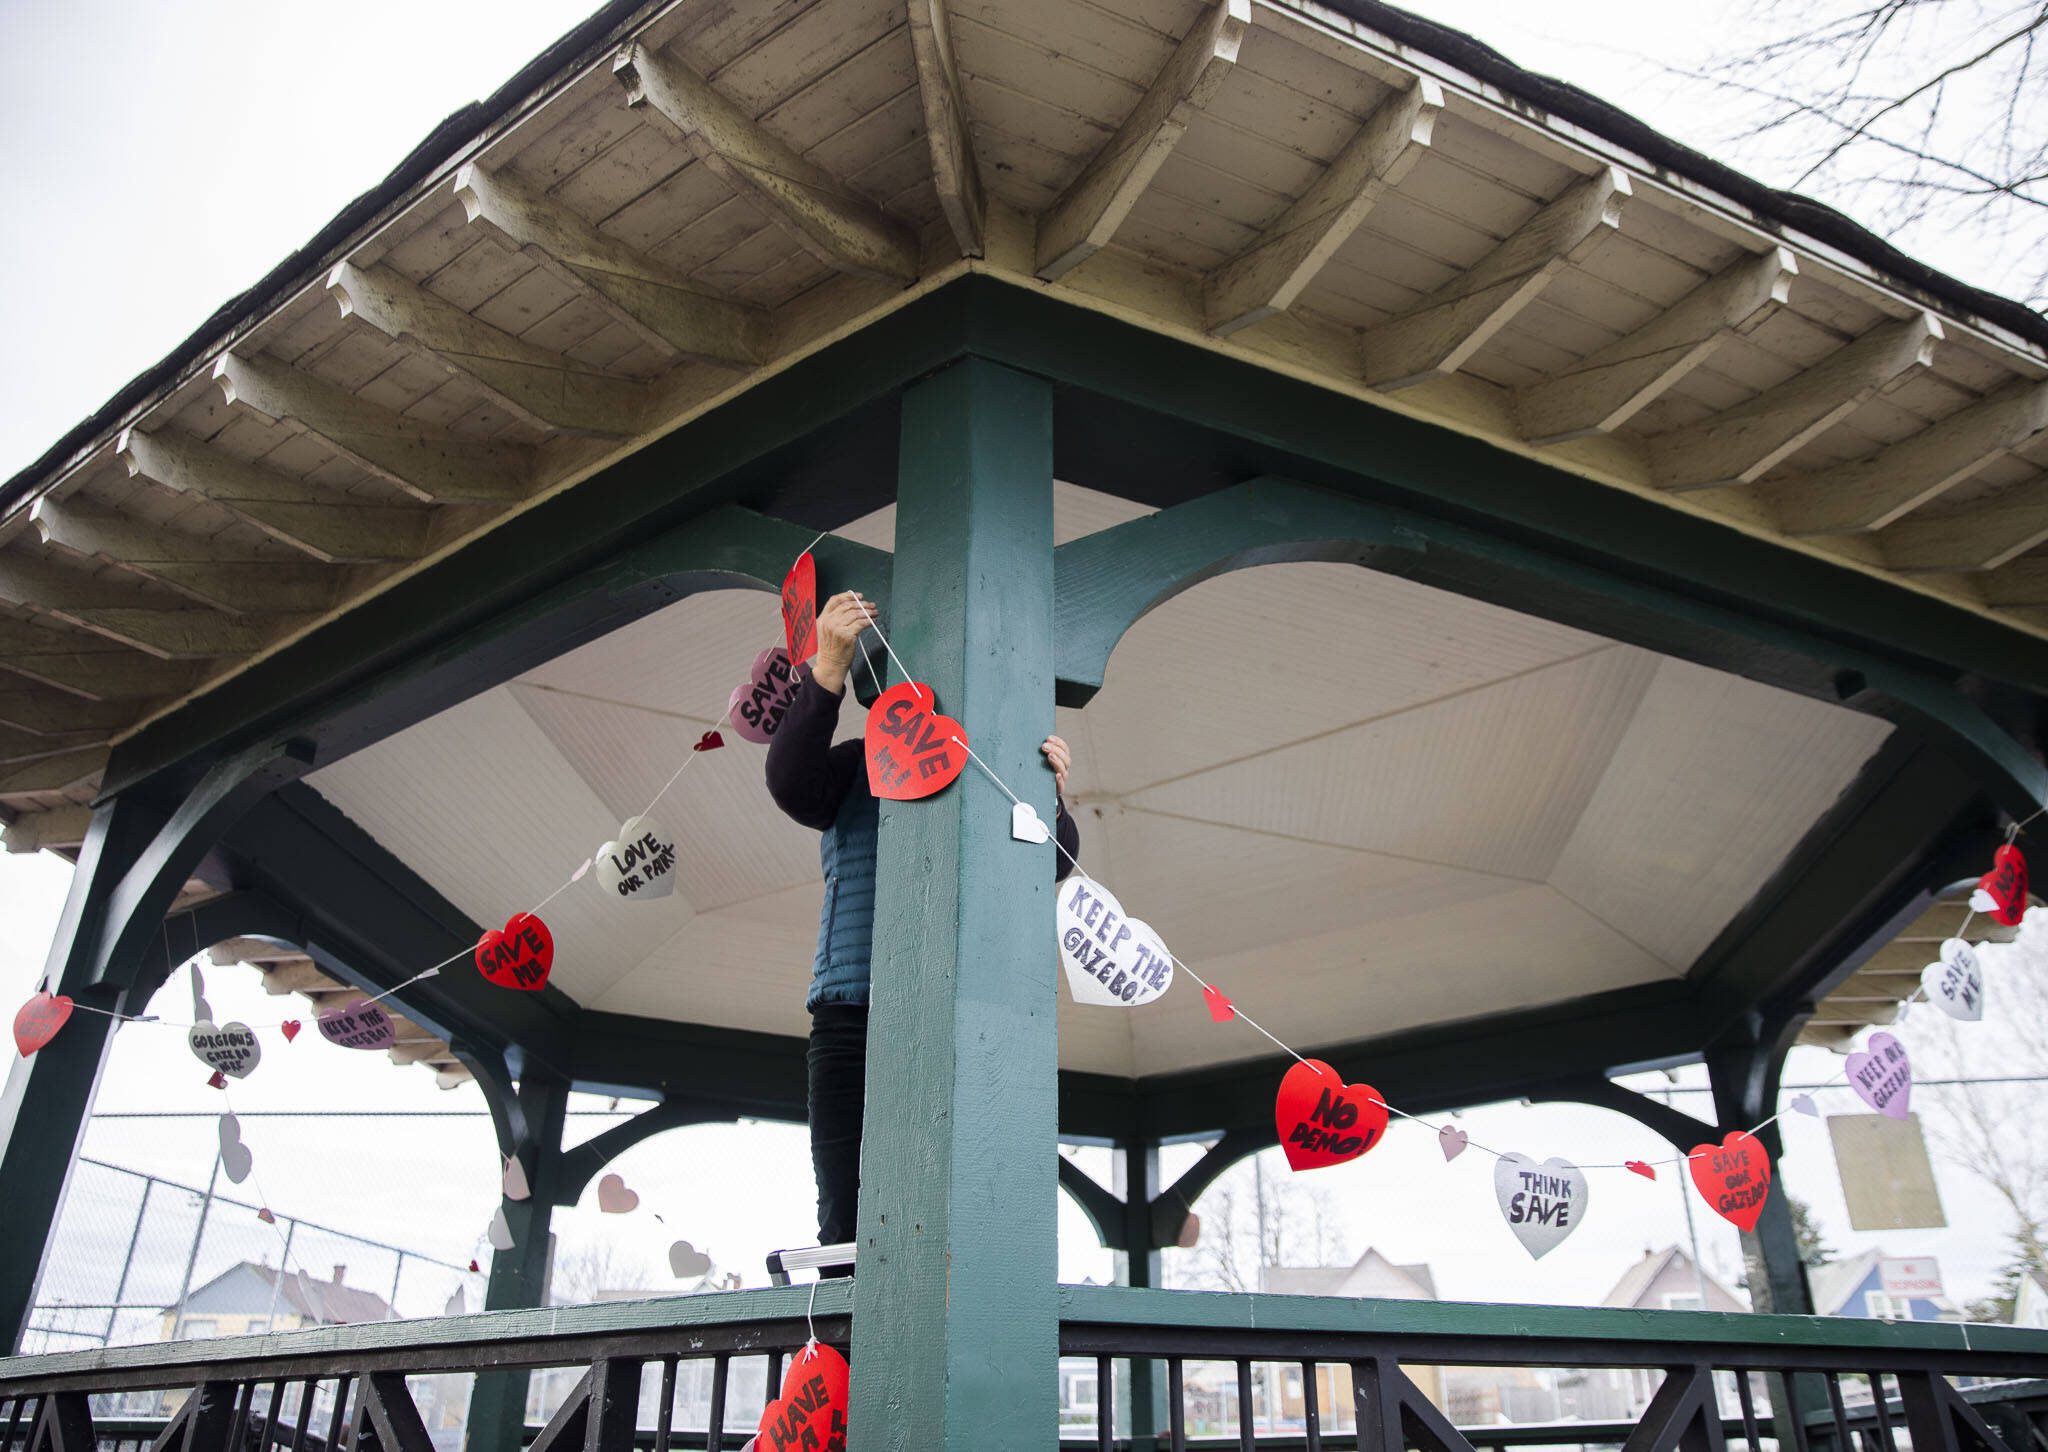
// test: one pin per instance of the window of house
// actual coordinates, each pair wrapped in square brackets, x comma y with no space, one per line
[1684,1301]
[257,1325]
[197,1326]
[1887,1308]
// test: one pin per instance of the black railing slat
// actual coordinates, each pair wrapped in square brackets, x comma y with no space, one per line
[245,1399]
[1105,1405]
[1843,1441]
[721,1368]
[665,1414]
[1176,1407]
[1247,1434]
[308,1393]
[339,1419]
[13,1420]
[1745,1395]
[1881,1412]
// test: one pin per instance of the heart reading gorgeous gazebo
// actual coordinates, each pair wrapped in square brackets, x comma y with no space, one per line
[1646,626]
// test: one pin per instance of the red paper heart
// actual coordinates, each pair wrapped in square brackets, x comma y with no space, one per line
[1221,1008]
[910,747]
[2007,884]
[709,741]
[520,956]
[811,1412]
[1733,1177]
[265,1216]
[1648,1172]
[216,1080]
[473,1266]
[37,1021]
[1324,1121]
[291,1029]
[800,608]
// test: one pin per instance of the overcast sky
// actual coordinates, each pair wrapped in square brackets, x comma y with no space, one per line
[129,137]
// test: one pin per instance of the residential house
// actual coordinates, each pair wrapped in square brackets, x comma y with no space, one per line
[250,1298]
[1856,1285]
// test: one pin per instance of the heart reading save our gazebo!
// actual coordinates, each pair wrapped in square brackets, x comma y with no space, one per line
[1733,1177]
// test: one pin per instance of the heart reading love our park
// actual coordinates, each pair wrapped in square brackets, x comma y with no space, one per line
[640,863]
[912,751]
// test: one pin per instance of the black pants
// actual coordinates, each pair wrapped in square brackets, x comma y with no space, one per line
[839,1070]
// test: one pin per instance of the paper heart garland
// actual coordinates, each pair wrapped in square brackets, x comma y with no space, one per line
[1111,959]
[1805,1105]
[265,1216]
[2002,891]
[290,1029]
[1324,1121]
[1542,1203]
[614,1198]
[1026,825]
[1882,1076]
[709,741]
[357,1026]
[1452,1142]
[1955,985]
[474,1268]
[235,1158]
[216,1080]
[456,1304]
[911,749]
[811,1412]
[201,1009]
[800,608]
[639,865]
[1648,1172]
[1221,1009]
[518,956]
[1734,1178]
[513,1182]
[760,702]
[36,1022]
[688,1262]
[500,1233]
[228,1048]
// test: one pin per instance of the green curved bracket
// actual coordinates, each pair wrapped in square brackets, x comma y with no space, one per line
[1104,1211]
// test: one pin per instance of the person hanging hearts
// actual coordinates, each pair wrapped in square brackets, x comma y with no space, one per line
[1543,1203]
[760,702]
[912,751]
[1955,985]
[357,1026]
[1882,1076]
[800,608]
[2002,892]
[1111,959]
[37,1021]
[520,955]
[811,1412]
[639,865]
[1734,1178]
[228,1048]
[1324,1121]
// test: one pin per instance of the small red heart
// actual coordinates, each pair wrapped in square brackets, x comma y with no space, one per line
[709,741]
[519,956]
[37,1021]
[473,1266]
[1734,1177]
[216,1080]
[1324,1121]
[1648,1172]
[911,749]
[291,1029]
[800,608]
[1221,1008]
[265,1216]
[811,1412]
[2006,882]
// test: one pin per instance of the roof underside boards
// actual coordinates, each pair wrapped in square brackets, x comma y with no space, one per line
[621,249]
[1453,809]
[1876,993]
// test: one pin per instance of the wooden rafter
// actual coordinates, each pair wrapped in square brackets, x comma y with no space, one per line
[27,707]
[542,387]
[1268,276]
[834,223]
[956,174]
[1967,539]
[148,623]
[1439,335]
[2023,584]
[226,576]
[1872,493]
[1740,444]
[1611,385]
[433,464]
[654,301]
[85,665]
[56,773]
[62,829]
[1096,203]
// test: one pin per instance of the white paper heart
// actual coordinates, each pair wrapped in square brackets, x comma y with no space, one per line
[688,1262]
[229,1047]
[1452,1142]
[201,1009]
[1110,959]
[500,1234]
[1982,901]
[640,864]
[515,1184]
[1805,1105]
[1955,985]
[1541,1203]
[456,1304]
[1026,825]
[235,1159]
[613,1197]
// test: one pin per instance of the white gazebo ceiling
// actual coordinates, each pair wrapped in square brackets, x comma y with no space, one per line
[1435,810]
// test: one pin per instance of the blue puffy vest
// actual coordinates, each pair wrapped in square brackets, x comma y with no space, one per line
[846,923]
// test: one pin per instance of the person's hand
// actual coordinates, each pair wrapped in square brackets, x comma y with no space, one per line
[1059,758]
[840,623]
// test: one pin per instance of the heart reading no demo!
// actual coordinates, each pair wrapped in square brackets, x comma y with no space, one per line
[1733,1177]
[910,748]
[639,864]
[800,608]
[760,702]
[1324,1121]
[1542,1203]
[1111,959]
[811,1412]
[1882,1076]
[518,956]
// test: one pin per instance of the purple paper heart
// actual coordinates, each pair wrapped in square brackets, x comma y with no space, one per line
[359,1026]
[757,706]
[1883,1076]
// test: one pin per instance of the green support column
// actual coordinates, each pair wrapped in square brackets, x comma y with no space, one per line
[956,1316]
[519,1276]
[1137,1182]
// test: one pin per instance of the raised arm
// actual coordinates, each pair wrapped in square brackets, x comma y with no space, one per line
[807,775]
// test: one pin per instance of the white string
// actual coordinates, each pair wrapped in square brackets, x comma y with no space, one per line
[811,1325]
[869,611]
[723,722]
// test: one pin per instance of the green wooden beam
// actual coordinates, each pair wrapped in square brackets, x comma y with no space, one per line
[956,1323]
[519,1276]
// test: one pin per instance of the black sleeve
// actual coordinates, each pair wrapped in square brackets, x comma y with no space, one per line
[1068,833]
[807,775]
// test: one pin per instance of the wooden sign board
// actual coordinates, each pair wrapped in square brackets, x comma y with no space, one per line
[1887,1178]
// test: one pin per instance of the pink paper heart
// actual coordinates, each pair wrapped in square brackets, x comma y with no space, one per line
[613,1197]
[358,1026]
[1452,1142]
[1882,1076]
[759,703]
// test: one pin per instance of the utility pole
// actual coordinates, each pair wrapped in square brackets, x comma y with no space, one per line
[198,1234]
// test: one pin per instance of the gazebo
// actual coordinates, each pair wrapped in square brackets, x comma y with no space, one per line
[1529,603]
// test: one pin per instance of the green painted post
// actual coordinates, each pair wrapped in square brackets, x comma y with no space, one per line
[955,1331]
[519,1276]
[1137,1180]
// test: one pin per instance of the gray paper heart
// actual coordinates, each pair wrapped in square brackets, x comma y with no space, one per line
[235,1158]
[1541,1203]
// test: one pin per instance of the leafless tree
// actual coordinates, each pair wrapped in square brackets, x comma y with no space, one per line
[1252,1218]
[595,1270]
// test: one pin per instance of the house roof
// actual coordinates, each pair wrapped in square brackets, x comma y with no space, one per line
[329,1302]
[1371,1275]
[1637,1280]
